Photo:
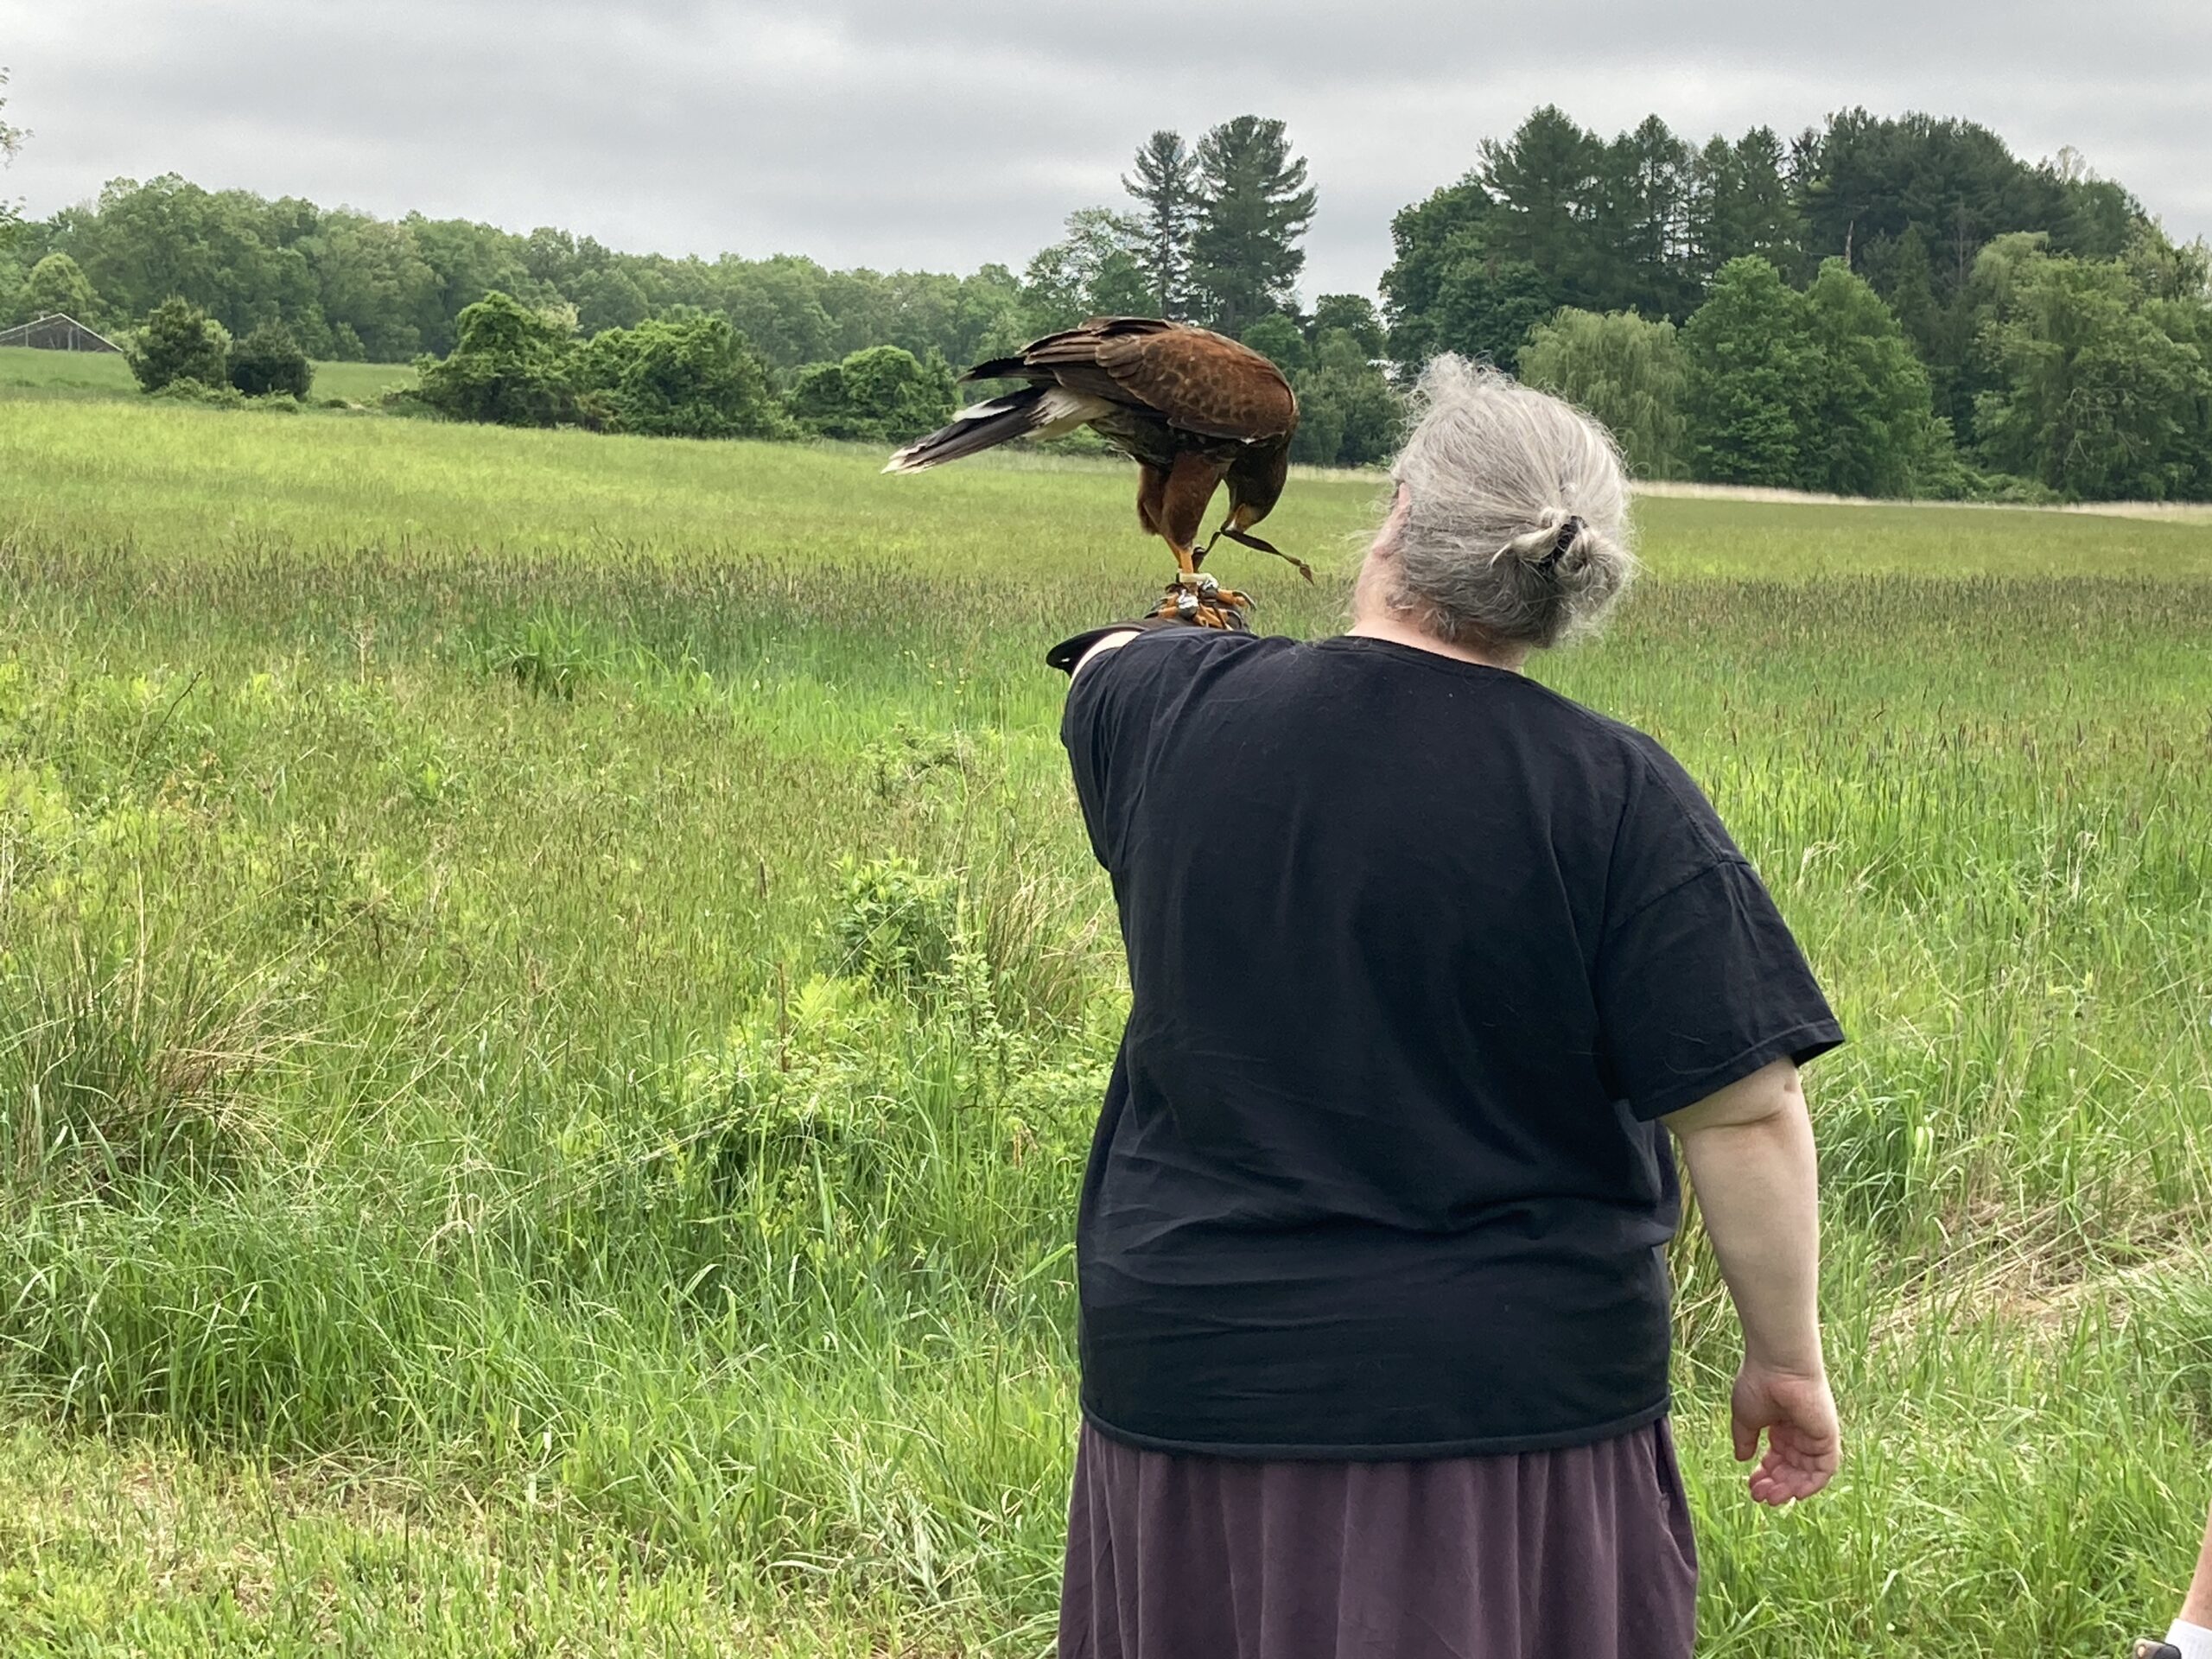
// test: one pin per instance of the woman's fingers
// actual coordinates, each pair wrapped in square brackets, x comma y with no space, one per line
[1795,1465]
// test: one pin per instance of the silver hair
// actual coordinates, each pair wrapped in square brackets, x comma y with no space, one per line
[1516,530]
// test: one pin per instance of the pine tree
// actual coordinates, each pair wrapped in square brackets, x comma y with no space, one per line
[1254,207]
[179,342]
[1166,184]
[1761,215]
[1544,179]
[1643,208]
[1705,210]
[1742,203]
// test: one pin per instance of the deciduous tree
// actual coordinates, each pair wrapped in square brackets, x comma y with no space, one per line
[1353,314]
[1623,369]
[1866,422]
[55,284]
[1485,307]
[2096,398]
[11,140]
[1095,270]
[1349,413]
[1745,378]
[1432,238]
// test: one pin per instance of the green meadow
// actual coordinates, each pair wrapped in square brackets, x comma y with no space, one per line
[552,997]
[27,373]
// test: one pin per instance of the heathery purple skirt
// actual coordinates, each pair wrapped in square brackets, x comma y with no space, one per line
[1582,1553]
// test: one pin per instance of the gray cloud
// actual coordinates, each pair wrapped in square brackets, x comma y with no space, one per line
[867,132]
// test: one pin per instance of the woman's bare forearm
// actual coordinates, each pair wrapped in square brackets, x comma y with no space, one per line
[1749,1152]
[2197,1610]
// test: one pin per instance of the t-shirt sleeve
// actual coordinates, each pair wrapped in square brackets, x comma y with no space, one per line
[1114,709]
[1095,713]
[1700,983]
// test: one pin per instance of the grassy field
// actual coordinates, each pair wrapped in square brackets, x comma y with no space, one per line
[27,373]
[552,994]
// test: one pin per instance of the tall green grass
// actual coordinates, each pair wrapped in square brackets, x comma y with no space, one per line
[554,983]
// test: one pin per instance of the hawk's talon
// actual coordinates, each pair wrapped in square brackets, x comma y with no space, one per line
[1195,597]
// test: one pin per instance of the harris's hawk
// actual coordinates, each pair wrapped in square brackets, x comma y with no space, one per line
[1193,408]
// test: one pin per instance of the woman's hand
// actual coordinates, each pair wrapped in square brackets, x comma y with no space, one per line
[1797,1414]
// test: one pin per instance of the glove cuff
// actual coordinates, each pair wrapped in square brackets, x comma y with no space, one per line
[1071,651]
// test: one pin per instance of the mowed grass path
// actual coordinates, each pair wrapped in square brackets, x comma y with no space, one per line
[552,998]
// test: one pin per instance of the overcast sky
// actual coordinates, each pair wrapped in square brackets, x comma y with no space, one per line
[942,136]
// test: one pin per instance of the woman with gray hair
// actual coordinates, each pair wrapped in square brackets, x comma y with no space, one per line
[1371,1251]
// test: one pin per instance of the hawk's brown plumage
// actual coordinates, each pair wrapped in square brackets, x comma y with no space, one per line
[1194,409]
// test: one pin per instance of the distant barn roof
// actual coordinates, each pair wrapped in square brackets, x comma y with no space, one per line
[55,333]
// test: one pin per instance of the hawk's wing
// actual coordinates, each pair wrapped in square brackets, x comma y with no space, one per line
[1191,378]
[1202,382]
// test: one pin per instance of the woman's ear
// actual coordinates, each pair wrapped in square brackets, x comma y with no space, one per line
[1371,584]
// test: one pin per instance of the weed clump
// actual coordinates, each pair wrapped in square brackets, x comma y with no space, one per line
[895,926]
[133,1066]
[552,656]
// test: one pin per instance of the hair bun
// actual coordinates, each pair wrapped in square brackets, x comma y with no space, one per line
[1552,540]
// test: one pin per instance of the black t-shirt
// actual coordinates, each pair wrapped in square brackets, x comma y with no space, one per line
[1418,950]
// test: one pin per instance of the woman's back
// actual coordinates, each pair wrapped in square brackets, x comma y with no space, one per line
[1378,1174]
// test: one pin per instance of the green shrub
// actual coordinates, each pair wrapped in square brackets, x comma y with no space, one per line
[269,361]
[179,342]
[191,391]
[882,395]
[894,926]
[510,366]
[687,378]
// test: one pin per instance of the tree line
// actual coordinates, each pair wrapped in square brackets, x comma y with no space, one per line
[1878,305]
[1218,240]
[1875,306]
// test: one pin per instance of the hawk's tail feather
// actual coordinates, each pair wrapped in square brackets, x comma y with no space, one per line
[999,368]
[1047,409]
[994,421]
